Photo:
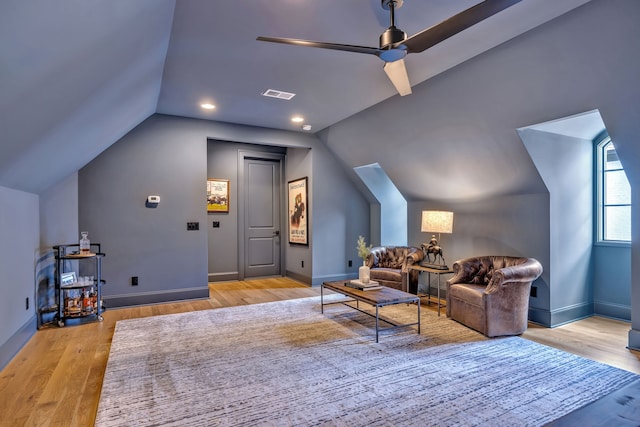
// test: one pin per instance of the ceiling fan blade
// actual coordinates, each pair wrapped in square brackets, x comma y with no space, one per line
[449,27]
[397,73]
[322,45]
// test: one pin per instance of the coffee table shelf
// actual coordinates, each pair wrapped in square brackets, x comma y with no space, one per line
[375,298]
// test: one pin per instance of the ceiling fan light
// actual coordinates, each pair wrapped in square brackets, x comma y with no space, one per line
[397,73]
[392,55]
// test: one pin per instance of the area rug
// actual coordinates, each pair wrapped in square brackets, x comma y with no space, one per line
[286,364]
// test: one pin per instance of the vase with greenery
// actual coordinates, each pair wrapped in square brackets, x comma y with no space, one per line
[364,273]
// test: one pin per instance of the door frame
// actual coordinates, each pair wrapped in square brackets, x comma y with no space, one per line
[259,155]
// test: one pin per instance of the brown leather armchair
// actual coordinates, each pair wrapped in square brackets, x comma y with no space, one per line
[389,266]
[491,293]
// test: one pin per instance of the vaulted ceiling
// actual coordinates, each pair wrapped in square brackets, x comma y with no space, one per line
[76,76]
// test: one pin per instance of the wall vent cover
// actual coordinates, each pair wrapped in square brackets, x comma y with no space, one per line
[272,93]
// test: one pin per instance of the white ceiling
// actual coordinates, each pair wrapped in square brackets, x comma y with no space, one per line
[76,76]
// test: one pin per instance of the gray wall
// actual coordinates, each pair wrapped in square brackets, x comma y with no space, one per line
[30,225]
[59,213]
[159,157]
[299,259]
[340,213]
[453,142]
[493,226]
[566,166]
[391,206]
[223,163]
[611,281]
[167,156]
[19,236]
[58,226]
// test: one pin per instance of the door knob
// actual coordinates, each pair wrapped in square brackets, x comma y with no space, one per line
[276,233]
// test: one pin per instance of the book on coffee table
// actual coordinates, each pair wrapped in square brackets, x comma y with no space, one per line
[357,284]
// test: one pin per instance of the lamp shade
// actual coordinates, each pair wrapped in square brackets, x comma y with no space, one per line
[437,222]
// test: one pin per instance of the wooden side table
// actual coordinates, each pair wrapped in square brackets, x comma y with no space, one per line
[429,271]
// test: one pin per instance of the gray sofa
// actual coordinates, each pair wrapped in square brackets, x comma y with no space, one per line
[491,293]
[389,266]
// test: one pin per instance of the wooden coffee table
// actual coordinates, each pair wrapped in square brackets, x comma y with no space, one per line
[376,298]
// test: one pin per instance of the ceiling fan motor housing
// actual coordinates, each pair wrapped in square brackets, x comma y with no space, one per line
[391,36]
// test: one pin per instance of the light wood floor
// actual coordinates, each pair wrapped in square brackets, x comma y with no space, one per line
[55,380]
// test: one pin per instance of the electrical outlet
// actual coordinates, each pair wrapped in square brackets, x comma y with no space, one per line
[216,224]
[193,226]
[350,263]
[134,281]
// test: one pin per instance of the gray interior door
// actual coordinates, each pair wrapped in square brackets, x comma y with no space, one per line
[262,218]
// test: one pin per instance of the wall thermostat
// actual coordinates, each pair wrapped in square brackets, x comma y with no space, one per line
[153,199]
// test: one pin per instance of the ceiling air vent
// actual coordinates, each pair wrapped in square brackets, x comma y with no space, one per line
[278,94]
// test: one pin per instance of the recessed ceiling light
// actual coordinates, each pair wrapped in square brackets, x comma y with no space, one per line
[208,106]
[297,119]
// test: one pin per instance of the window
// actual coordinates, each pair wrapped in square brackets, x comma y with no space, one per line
[614,195]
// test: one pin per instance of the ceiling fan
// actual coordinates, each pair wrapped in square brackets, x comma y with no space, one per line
[395,45]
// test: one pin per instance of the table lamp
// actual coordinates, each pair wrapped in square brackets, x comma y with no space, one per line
[435,222]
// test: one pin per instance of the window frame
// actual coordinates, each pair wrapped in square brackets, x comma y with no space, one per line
[600,147]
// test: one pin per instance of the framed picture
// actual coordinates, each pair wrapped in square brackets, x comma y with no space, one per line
[217,195]
[68,279]
[297,196]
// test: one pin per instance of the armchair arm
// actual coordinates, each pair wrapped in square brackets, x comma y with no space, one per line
[374,256]
[464,270]
[410,278]
[524,273]
[412,258]
[370,261]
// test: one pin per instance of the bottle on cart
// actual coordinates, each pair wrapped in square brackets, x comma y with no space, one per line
[85,243]
[94,300]
[87,304]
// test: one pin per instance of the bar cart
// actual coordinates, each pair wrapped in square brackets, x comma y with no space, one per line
[79,297]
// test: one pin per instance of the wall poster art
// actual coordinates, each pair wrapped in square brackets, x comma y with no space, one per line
[297,196]
[217,195]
